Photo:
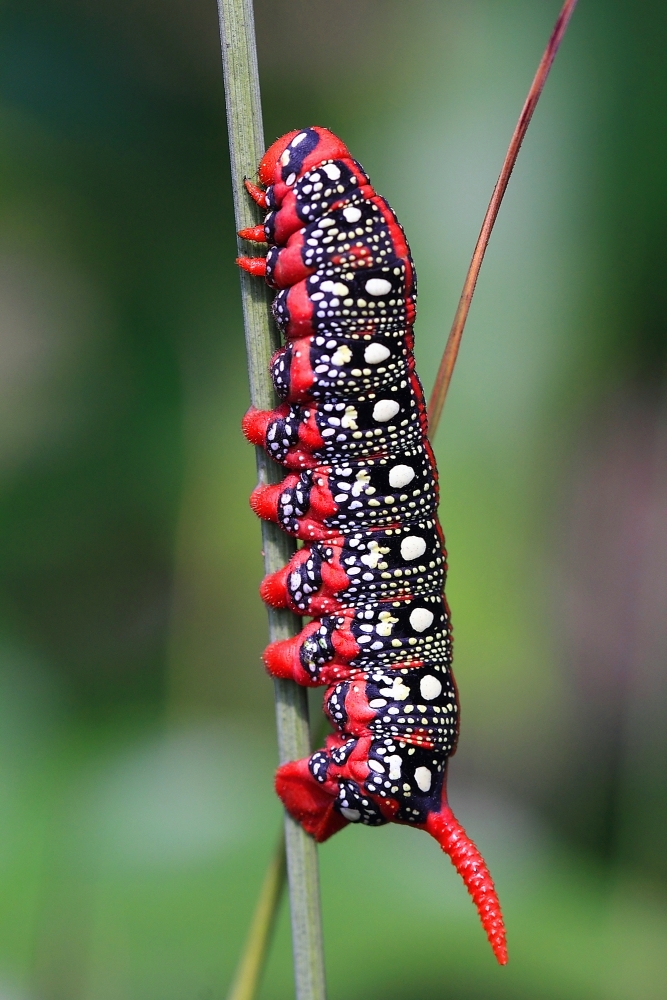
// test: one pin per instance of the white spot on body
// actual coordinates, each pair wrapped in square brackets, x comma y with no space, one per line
[375,353]
[349,421]
[362,479]
[343,356]
[290,180]
[385,409]
[394,766]
[386,623]
[351,214]
[420,619]
[399,691]
[423,778]
[400,476]
[378,286]
[284,159]
[374,555]
[430,687]
[412,547]
[353,815]
[332,171]
[298,139]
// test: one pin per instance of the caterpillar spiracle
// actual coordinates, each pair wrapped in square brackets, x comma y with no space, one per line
[362,494]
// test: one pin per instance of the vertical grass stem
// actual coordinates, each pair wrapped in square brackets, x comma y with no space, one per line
[246,146]
[248,974]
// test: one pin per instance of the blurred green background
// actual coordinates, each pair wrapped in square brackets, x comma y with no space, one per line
[136,722]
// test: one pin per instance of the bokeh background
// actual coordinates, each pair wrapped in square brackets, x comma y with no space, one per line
[136,723]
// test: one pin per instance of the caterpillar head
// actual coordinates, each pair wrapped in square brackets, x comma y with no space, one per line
[295,153]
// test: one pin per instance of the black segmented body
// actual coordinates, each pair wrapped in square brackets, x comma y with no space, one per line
[363,410]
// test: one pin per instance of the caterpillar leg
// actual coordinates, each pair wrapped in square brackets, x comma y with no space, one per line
[310,803]
[299,659]
[253,265]
[309,584]
[288,435]
[325,792]
[256,193]
[255,234]
[470,865]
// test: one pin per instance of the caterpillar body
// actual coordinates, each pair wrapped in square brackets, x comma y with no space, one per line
[362,494]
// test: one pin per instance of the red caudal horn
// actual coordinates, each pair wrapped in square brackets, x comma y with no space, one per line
[471,866]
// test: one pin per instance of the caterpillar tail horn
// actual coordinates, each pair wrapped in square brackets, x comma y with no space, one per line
[470,865]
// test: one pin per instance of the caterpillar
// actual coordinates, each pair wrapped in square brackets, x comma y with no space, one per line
[361,494]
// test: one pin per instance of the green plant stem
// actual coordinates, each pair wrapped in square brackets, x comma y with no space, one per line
[249,970]
[255,950]
[246,146]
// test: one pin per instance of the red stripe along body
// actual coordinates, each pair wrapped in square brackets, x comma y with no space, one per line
[363,496]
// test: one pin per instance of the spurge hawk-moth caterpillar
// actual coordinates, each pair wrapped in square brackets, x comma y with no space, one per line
[362,494]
